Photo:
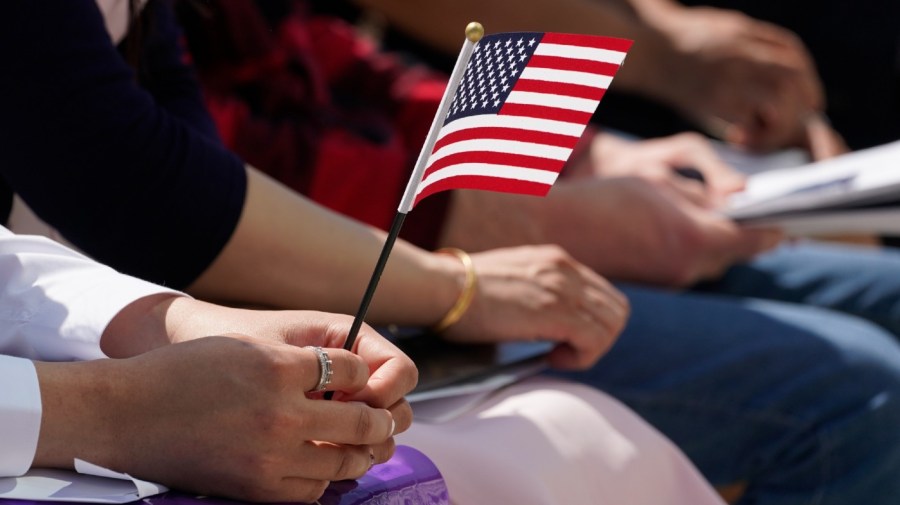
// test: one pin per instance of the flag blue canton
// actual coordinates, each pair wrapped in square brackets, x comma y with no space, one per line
[495,66]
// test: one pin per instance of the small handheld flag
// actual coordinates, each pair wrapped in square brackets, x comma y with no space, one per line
[515,105]
[522,105]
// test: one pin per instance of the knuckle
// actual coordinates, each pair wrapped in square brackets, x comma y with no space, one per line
[348,466]
[276,373]
[314,490]
[364,424]
[266,469]
[384,451]
[549,252]
[403,416]
[411,373]
[273,421]
[680,274]
[353,368]
[556,249]
[692,138]
[626,309]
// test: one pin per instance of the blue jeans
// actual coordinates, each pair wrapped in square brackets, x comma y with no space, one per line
[861,281]
[801,403]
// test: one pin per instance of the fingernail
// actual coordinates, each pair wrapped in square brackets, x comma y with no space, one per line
[393,427]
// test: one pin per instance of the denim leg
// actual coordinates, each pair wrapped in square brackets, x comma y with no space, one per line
[800,403]
[861,281]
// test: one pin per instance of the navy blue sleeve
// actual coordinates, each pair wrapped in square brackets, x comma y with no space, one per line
[136,181]
[163,71]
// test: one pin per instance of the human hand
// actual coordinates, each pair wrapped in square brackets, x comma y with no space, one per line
[822,141]
[613,156]
[179,319]
[540,292]
[746,81]
[222,416]
[656,230]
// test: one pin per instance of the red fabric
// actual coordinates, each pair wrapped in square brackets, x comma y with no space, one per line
[309,102]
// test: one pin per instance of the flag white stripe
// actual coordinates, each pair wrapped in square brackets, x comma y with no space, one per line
[581,53]
[501,146]
[484,169]
[567,77]
[550,100]
[519,123]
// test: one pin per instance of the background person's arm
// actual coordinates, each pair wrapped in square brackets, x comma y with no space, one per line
[440,24]
[741,79]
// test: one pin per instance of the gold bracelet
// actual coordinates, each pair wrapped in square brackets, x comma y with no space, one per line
[465,297]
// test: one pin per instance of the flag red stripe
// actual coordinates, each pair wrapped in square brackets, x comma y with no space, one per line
[556,88]
[487,184]
[519,135]
[570,39]
[495,158]
[544,112]
[572,64]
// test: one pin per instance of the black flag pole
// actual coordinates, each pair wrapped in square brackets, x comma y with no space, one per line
[373,282]
[474,32]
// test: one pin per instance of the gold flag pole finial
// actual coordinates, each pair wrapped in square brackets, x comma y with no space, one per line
[474,31]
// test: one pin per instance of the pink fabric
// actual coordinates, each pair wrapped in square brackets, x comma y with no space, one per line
[546,441]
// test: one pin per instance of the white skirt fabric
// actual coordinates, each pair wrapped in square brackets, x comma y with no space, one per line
[547,441]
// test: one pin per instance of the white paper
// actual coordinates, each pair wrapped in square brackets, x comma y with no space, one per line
[756,163]
[88,484]
[863,177]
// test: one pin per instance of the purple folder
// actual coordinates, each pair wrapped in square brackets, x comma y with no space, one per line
[409,478]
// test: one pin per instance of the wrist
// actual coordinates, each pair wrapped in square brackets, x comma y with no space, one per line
[79,403]
[449,274]
[141,326]
[466,294]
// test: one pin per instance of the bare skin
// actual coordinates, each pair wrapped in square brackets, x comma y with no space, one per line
[228,416]
[743,80]
[271,261]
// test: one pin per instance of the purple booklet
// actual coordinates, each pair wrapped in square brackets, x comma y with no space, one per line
[409,478]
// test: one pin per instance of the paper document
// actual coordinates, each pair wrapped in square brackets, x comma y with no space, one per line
[87,484]
[856,192]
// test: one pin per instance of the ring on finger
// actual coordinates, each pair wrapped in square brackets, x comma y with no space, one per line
[325,371]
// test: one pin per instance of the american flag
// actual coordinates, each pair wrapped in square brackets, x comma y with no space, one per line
[523,103]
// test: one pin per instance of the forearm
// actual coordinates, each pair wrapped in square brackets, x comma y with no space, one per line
[288,252]
[78,418]
[646,11]
[440,24]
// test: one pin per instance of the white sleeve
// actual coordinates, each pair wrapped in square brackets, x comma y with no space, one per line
[55,303]
[20,415]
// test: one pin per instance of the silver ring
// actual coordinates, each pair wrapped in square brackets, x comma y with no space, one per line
[325,371]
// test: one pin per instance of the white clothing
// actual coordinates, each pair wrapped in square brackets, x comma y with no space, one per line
[547,441]
[54,305]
